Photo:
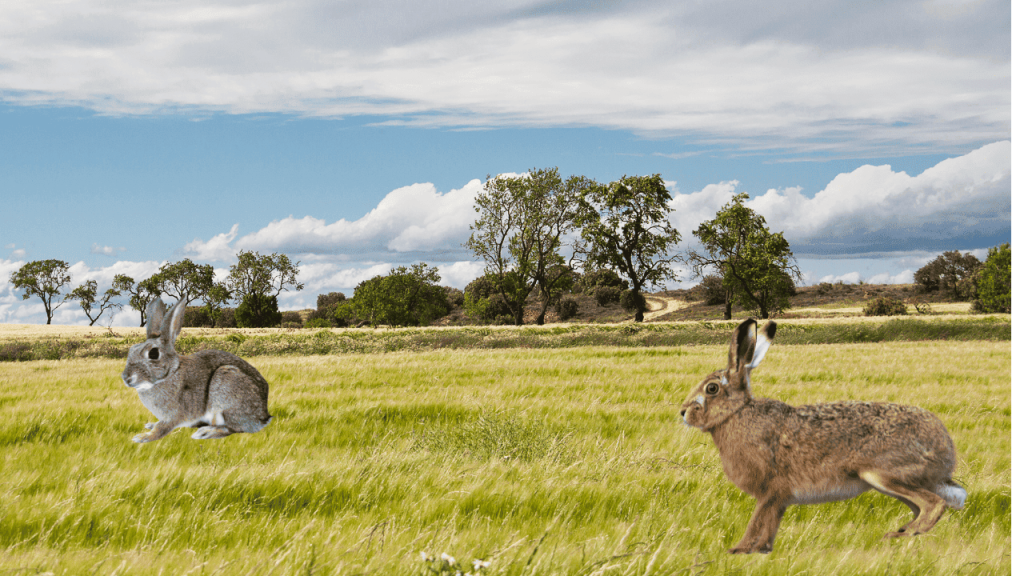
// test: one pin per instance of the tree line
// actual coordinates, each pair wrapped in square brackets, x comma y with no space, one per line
[254,282]
[539,236]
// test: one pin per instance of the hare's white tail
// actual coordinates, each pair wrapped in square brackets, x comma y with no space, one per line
[953,493]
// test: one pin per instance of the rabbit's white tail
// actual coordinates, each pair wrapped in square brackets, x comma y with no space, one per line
[953,493]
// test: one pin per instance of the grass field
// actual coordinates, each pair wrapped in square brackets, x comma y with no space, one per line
[538,461]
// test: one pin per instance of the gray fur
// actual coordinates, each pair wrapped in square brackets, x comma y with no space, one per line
[214,391]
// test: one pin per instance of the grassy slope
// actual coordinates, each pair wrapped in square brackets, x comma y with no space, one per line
[568,461]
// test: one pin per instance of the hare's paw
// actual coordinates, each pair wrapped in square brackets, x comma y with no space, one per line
[151,425]
[900,533]
[210,433]
[741,550]
[143,438]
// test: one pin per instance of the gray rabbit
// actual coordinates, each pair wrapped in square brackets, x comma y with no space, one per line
[784,455]
[214,391]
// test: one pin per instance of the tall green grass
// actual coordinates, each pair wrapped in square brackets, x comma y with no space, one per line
[568,461]
[363,341]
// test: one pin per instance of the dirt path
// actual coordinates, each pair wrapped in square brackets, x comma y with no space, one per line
[661,305]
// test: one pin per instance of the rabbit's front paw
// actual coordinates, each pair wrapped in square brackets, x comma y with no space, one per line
[143,438]
[151,425]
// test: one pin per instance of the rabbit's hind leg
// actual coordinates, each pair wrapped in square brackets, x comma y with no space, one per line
[926,505]
[235,402]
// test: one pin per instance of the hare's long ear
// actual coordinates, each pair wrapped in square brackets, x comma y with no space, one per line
[155,311]
[172,322]
[741,352]
[764,339]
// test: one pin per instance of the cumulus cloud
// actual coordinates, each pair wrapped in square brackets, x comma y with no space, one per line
[410,223]
[875,210]
[823,75]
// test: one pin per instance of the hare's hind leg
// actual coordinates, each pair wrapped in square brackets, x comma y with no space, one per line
[234,403]
[926,505]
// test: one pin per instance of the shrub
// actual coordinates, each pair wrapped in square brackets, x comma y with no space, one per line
[567,308]
[317,323]
[993,282]
[326,307]
[484,303]
[712,291]
[885,306]
[291,319]
[196,317]
[605,295]
[595,279]
[631,304]
[823,288]
[455,297]
[227,318]
[258,311]
[405,297]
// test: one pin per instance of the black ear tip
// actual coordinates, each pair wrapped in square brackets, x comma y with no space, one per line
[770,329]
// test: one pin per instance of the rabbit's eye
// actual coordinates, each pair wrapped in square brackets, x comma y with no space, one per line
[154,353]
[712,388]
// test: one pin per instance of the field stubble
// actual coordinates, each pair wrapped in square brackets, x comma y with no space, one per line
[570,461]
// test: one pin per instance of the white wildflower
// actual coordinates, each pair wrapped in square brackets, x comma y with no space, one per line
[478,564]
[446,558]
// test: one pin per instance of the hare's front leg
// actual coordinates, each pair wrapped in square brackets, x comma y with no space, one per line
[760,534]
[158,431]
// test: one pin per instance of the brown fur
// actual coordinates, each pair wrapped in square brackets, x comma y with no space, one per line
[214,391]
[784,455]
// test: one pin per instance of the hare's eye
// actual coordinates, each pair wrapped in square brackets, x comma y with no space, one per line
[154,353]
[712,388]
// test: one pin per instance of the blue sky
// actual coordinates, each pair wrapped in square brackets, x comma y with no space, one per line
[353,136]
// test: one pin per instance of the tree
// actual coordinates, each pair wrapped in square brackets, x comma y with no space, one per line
[624,226]
[405,297]
[993,281]
[258,311]
[86,296]
[185,280]
[263,274]
[519,235]
[755,264]
[140,295]
[952,272]
[45,279]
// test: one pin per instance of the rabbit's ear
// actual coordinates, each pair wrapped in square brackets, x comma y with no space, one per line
[172,322]
[764,339]
[741,352]
[155,311]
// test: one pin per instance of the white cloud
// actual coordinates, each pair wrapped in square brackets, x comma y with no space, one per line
[822,75]
[105,250]
[874,210]
[408,223]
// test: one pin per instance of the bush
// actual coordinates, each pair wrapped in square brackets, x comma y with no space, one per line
[993,282]
[405,297]
[291,319]
[567,308]
[226,319]
[317,323]
[455,297]
[258,311]
[326,306]
[484,303]
[595,279]
[196,317]
[885,306]
[631,304]
[605,295]
[712,291]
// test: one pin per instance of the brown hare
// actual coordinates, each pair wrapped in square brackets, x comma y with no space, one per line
[784,455]
[214,391]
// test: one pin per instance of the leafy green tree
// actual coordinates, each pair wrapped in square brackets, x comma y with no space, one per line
[256,273]
[405,297]
[45,279]
[258,311]
[484,302]
[625,227]
[755,264]
[952,272]
[993,281]
[519,232]
[140,295]
[85,293]
[185,280]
